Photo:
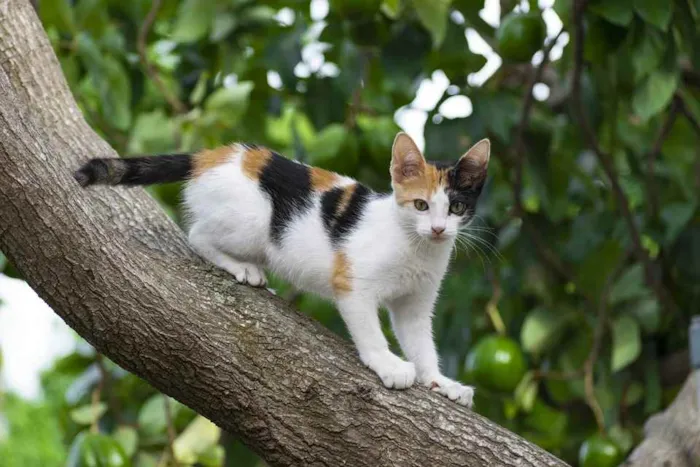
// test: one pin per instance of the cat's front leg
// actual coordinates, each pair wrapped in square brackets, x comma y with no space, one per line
[411,317]
[362,320]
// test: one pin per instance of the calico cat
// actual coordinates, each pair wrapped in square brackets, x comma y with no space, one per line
[251,208]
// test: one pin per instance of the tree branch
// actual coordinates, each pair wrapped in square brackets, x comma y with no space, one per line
[606,161]
[119,272]
[654,154]
[176,104]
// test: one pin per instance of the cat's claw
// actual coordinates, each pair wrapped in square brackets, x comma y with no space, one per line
[453,390]
[394,372]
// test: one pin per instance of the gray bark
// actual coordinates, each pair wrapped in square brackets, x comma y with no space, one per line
[119,272]
[672,437]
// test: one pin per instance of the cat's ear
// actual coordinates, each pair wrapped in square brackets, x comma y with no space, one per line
[472,166]
[406,159]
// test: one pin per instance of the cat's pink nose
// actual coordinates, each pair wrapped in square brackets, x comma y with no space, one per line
[438,230]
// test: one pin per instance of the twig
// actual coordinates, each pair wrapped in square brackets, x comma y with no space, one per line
[689,115]
[589,365]
[171,430]
[528,101]
[492,305]
[557,375]
[106,384]
[653,204]
[176,104]
[607,163]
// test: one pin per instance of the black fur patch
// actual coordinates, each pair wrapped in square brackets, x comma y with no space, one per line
[289,185]
[147,170]
[338,226]
[469,195]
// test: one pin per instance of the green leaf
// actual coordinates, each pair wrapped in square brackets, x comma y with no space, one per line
[541,330]
[526,392]
[128,439]
[58,13]
[88,414]
[391,8]
[228,105]
[224,23]
[655,93]
[675,217]
[116,94]
[152,419]
[618,12]
[647,312]
[596,267]
[656,12]
[199,436]
[329,149]
[629,286]
[648,52]
[194,18]
[433,14]
[626,341]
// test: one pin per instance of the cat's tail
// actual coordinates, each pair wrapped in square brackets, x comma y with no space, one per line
[148,170]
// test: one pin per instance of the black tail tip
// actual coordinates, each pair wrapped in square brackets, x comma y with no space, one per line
[85,176]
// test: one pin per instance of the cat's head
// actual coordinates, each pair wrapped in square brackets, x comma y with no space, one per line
[436,198]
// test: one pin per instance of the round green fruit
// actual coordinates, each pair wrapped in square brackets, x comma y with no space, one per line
[598,451]
[496,362]
[520,36]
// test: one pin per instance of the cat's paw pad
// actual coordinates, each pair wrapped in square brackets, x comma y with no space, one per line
[246,273]
[394,372]
[453,390]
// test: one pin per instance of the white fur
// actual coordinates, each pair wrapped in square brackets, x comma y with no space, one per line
[394,262]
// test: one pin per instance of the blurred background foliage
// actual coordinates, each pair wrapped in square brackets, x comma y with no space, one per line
[569,306]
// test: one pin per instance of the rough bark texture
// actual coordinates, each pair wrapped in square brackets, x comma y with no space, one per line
[672,437]
[119,272]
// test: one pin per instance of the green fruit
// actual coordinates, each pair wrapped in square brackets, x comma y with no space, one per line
[97,450]
[598,451]
[496,362]
[520,36]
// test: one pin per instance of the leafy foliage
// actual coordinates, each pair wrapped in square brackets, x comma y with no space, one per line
[553,262]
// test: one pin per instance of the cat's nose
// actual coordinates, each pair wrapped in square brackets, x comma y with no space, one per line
[437,230]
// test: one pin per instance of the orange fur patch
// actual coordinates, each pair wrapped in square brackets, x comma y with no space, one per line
[345,198]
[341,279]
[254,161]
[210,158]
[322,180]
[422,186]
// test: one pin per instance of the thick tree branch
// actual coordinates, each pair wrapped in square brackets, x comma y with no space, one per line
[119,272]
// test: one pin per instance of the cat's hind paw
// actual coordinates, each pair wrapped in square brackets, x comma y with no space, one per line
[453,390]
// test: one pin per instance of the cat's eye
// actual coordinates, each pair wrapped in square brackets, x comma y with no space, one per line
[420,204]
[458,208]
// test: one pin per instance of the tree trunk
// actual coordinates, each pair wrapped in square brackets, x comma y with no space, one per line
[120,273]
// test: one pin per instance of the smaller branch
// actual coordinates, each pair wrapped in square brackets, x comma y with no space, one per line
[557,375]
[689,115]
[176,104]
[589,365]
[106,384]
[528,101]
[492,305]
[606,161]
[654,153]
[171,430]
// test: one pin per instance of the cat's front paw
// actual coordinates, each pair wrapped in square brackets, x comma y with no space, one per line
[451,389]
[394,372]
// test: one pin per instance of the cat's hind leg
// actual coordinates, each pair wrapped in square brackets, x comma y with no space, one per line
[244,272]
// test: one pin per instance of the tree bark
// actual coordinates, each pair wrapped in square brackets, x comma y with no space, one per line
[120,273]
[672,437]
